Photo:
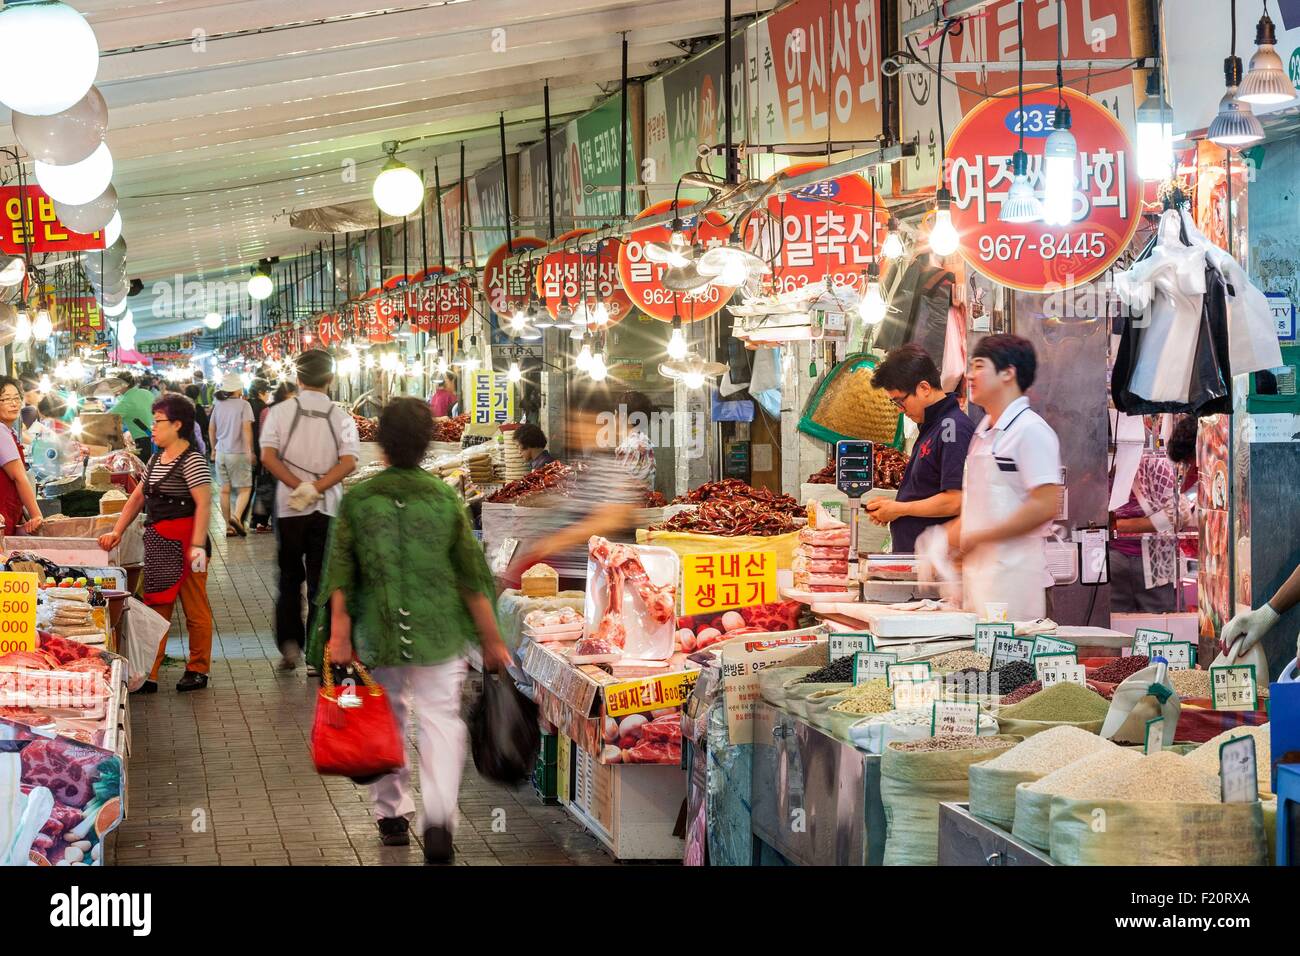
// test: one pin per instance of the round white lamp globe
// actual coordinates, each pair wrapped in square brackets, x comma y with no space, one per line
[79,183]
[48,58]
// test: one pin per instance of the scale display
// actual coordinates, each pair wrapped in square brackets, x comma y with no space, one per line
[855,467]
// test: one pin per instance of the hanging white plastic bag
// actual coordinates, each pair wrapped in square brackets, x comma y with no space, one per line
[1142,697]
[142,630]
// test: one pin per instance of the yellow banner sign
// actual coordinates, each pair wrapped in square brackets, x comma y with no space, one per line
[648,693]
[492,398]
[17,611]
[717,582]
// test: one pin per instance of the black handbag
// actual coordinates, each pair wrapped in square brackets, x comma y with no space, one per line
[503,732]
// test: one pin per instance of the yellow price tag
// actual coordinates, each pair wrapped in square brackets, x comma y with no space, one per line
[718,582]
[17,611]
[648,693]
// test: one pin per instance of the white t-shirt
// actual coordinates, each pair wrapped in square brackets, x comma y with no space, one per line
[228,418]
[312,451]
[1023,442]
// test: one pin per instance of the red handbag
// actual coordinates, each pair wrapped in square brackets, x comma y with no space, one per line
[354,733]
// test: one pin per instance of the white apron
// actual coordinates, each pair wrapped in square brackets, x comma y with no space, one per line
[1011,572]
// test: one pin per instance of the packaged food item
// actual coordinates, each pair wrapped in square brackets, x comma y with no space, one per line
[540,581]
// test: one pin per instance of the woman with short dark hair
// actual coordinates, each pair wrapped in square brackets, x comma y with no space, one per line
[401,539]
[16,491]
[176,496]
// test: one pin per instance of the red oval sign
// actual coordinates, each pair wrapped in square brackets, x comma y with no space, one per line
[819,231]
[581,274]
[507,287]
[643,279]
[1036,257]
[440,307]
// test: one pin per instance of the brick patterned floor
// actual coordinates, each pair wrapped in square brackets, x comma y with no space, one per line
[223,776]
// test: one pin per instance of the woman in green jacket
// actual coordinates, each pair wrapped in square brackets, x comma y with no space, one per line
[406,589]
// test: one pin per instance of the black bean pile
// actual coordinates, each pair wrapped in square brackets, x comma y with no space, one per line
[1013,676]
[971,680]
[838,671]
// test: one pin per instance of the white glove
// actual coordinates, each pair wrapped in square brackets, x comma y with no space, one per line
[1246,629]
[304,496]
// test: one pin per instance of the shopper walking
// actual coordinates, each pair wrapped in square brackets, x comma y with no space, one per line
[1012,485]
[445,399]
[395,533]
[176,497]
[134,406]
[262,503]
[310,445]
[231,439]
[201,420]
[16,492]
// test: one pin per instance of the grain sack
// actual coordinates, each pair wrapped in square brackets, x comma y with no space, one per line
[913,784]
[846,405]
[1033,820]
[1135,833]
[1061,705]
[772,681]
[993,783]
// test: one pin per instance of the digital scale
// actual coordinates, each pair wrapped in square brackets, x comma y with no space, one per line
[855,474]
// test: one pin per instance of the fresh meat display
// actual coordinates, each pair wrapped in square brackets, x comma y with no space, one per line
[451,430]
[621,566]
[762,618]
[730,518]
[731,489]
[543,479]
[637,740]
[821,562]
[68,770]
[40,660]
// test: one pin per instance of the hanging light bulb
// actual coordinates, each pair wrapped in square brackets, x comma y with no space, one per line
[1236,124]
[416,370]
[943,235]
[398,189]
[677,240]
[45,386]
[113,311]
[584,359]
[598,370]
[260,286]
[893,245]
[212,320]
[22,328]
[442,366]
[518,321]
[1021,205]
[873,307]
[600,315]
[1266,82]
[514,373]
[471,358]
[1155,133]
[370,361]
[35,35]
[77,183]
[693,379]
[42,328]
[1060,155]
[677,347]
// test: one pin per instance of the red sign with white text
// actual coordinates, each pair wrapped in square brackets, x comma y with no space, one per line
[507,287]
[31,214]
[1036,257]
[440,307]
[820,231]
[643,279]
[582,274]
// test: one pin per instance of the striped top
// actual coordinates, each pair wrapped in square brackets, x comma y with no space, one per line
[192,472]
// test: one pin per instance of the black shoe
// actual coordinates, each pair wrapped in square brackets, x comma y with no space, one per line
[395,831]
[438,848]
[148,687]
[192,680]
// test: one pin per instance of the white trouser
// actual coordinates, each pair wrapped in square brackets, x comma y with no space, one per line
[442,741]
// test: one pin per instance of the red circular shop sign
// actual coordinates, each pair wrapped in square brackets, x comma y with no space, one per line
[819,231]
[583,273]
[643,279]
[1036,257]
[508,285]
[439,307]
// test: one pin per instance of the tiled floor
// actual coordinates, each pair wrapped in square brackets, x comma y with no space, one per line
[223,776]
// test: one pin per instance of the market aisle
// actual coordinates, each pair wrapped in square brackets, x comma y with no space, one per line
[222,776]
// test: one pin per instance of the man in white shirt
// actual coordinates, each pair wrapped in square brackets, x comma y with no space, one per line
[310,445]
[230,435]
[1012,487]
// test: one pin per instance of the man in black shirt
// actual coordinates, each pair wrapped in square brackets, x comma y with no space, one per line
[930,492]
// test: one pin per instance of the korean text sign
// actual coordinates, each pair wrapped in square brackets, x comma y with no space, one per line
[493,398]
[29,217]
[1037,257]
[717,582]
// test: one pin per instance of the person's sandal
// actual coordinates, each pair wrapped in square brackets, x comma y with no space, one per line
[192,680]
[239,527]
[395,831]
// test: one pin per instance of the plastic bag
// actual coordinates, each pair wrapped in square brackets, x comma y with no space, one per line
[141,630]
[1139,699]
[503,733]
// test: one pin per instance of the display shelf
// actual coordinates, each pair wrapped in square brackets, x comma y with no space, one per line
[966,840]
[632,808]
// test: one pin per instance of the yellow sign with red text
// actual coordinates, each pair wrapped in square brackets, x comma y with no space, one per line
[649,693]
[718,582]
[17,611]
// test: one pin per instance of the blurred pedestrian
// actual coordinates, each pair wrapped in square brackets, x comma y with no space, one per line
[231,437]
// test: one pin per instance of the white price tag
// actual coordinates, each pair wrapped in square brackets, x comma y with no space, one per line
[1233,687]
[871,665]
[1143,637]
[1050,645]
[1043,662]
[1155,735]
[987,634]
[844,643]
[1063,674]
[1239,771]
[1007,649]
[1181,655]
[910,694]
[947,717]
[919,670]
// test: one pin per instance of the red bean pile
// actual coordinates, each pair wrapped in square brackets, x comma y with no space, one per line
[1119,669]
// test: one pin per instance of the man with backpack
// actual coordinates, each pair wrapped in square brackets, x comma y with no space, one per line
[310,445]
